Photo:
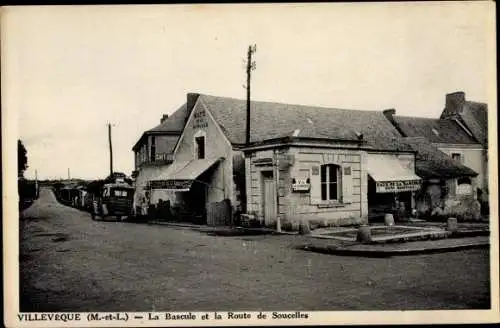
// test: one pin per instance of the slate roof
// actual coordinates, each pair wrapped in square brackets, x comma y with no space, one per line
[174,123]
[430,162]
[476,119]
[277,120]
[434,130]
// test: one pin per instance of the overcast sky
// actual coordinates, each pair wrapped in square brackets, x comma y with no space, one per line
[70,70]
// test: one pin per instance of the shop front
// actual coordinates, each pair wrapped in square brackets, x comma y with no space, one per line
[187,187]
[391,185]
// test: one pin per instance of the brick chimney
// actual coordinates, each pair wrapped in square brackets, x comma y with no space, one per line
[163,118]
[389,114]
[455,102]
[191,101]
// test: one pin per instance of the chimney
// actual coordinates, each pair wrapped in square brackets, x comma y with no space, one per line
[163,118]
[389,114]
[455,102]
[191,101]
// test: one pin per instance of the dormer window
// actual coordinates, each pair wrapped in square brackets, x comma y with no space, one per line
[457,157]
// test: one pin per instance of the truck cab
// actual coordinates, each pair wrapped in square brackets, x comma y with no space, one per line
[115,199]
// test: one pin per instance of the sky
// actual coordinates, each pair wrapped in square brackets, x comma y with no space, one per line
[69,70]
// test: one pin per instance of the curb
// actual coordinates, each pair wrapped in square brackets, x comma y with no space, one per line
[389,253]
[210,229]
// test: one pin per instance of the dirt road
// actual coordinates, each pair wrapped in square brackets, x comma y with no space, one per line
[70,263]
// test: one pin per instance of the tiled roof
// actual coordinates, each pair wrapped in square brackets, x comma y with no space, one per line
[173,126]
[174,123]
[435,130]
[276,120]
[430,162]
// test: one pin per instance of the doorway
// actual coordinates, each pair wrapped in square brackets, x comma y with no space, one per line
[268,197]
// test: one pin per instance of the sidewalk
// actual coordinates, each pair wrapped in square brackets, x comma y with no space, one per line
[398,249]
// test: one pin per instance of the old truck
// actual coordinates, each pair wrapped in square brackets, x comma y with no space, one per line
[114,199]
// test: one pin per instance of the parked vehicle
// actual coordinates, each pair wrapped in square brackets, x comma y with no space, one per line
[113,199]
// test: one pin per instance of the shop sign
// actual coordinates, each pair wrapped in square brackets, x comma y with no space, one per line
[397,186]
[172,184]
[301,185]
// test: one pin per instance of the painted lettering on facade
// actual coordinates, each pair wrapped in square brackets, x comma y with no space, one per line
[397,186]
[171,184]
[200,120]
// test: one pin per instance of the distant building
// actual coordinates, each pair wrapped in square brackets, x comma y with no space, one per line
[461,134]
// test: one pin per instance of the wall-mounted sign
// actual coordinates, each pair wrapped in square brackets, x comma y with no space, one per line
[347,170]
[200,119]
[301,184]
[263,161]
[397,186]
[181,185]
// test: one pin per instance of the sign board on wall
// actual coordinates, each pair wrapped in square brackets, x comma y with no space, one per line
[180,185]
[301,184]
[397,186]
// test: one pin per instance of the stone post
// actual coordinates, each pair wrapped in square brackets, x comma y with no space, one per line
[389,219]
[452,225]
[364,234]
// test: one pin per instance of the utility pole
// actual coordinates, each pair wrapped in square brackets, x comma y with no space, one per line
[69,176]
[36,183]
[250,66]
[110,151]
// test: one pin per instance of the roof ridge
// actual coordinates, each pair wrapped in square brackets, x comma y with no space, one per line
[290,104]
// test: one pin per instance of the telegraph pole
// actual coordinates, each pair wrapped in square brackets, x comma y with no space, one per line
[69,176]
[250,66]
[36,183]
[110,151]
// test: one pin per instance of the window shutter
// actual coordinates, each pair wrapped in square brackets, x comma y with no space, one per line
[315,179]
[347,187]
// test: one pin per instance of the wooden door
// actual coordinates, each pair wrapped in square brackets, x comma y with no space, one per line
[269,201]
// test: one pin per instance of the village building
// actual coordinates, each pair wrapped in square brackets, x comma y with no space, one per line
[465,177]
[153,152]
[301,163]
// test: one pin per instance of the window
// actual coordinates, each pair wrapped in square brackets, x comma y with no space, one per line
[153,148]
[330,182]
[120,193]
[457,157]
[200,147]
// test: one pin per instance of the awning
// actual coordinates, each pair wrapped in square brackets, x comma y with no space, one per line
[180,176]
[390,175]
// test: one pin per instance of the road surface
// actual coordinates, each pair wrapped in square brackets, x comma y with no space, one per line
[70,263]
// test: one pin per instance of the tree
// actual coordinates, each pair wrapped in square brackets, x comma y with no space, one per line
[22,158]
